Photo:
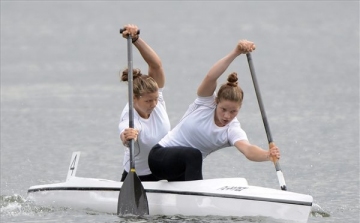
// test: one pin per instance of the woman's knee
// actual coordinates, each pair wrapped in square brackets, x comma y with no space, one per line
[194,155]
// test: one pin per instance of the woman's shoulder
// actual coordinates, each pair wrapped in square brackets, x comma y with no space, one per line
[235,123]
[208,100]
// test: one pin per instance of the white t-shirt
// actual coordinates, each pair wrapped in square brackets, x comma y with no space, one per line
[197,129]
[151,130]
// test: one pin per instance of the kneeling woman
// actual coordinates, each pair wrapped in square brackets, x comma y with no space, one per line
[151,121]
[208,125]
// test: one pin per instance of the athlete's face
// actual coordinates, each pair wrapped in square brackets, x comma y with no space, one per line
[225,112]
[146,103]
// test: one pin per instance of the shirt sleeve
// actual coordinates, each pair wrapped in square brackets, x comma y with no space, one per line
[236,133]
[208,101]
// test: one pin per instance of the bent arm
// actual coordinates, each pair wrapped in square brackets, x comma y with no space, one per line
[155,69]
[208,85]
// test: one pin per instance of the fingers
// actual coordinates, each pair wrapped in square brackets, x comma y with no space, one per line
[130,133]
[274,152]
[245,46]
[130,29]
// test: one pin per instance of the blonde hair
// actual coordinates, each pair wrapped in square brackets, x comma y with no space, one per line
[142,83]
[231,90]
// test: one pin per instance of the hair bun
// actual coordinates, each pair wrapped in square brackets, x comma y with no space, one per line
[232,79]
[136,73]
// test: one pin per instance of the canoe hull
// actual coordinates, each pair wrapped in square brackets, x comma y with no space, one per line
[219,197]
[216,197]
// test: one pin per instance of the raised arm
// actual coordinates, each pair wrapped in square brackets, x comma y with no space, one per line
[155,69]
[208,85]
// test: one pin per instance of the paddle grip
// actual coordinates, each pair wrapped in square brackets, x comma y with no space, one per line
[274,160]
[122,30]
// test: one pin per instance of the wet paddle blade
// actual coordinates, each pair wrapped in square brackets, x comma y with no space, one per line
[132,197]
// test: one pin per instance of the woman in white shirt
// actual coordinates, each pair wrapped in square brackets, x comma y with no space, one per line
[151,122]
[209,124]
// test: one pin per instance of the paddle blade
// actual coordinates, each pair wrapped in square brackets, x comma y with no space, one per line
[132,197]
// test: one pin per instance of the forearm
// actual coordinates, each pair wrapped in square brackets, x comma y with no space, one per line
[220,66]
[153,60]
[149,55]
[257,154]
[252,152]
[208,85]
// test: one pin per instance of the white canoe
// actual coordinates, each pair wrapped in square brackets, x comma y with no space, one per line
[222,197]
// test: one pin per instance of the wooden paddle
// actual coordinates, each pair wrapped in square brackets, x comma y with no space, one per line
[266,124]
[132,197]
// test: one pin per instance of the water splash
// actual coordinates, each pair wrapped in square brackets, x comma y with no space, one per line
[16,205]
[316,210]
[11,204]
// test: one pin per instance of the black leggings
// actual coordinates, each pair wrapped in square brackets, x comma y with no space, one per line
[176,163]
[149,177]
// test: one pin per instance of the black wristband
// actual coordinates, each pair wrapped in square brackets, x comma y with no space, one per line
[134,40]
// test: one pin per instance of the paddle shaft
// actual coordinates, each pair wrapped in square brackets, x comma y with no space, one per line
[131,99]
[265,121]
[130,94]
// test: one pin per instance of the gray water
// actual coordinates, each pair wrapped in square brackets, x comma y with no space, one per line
[60,92]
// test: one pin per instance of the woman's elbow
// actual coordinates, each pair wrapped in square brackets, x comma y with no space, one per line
[156,65]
